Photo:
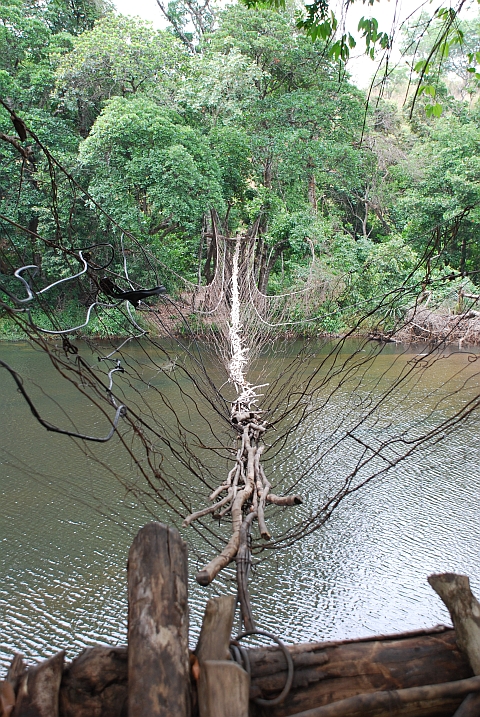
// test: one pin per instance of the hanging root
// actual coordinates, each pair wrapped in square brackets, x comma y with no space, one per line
[247,493]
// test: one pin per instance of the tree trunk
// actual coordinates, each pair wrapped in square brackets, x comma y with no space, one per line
[464,610]
[95,683]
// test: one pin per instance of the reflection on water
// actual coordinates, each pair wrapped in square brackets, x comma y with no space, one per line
[66,525]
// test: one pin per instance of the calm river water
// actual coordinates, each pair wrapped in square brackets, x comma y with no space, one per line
[66,526]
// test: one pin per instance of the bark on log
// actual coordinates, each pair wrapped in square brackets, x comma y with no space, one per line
[214,640]
[95,684]
[158,658]
[324,672]
[329,672]
[411,701]
[38,691]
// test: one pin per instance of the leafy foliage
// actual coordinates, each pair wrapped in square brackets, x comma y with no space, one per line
[254,122]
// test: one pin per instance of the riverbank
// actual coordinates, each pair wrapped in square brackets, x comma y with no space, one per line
[420,325]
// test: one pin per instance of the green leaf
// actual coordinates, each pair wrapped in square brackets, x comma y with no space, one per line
[420,66]
[428,90]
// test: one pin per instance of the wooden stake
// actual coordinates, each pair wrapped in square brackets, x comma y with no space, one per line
[464,610]
[158,659]
[95,683]
[223,687]
[470,706]
[223,690]
[38,691]
[214,640]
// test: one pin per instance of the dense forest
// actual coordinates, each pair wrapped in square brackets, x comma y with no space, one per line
[240,112]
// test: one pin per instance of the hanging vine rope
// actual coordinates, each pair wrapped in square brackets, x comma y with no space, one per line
[227,440]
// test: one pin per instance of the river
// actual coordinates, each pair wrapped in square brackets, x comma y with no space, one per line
[66,525]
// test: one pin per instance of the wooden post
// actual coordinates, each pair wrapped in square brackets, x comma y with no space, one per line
[214,640]
[39,686]
[158,659]
[464,610]
[223,687]
[95,683]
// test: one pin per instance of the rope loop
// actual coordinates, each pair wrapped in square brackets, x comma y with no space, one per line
[244,655]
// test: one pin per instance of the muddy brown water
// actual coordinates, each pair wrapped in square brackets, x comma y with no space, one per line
[66,526]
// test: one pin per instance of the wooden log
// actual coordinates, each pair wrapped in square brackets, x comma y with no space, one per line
[95,683]
[15,671]
[9,686]
[223,690]
[330,672]
[158,658]
[411,701]
[470,706]
[38,691]
[464,610]
[214,640]
[324,672]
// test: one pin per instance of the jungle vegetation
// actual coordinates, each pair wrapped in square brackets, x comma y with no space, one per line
[248,113]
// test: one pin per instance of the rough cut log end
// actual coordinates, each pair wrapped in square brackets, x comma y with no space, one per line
[95,683]
[284,500]
[464,610]
[203,578]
